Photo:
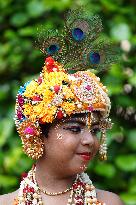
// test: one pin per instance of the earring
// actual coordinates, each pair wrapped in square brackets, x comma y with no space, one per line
[103,146]
[32,139]
[34,148]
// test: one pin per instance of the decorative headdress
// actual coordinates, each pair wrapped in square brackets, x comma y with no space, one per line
[56,93]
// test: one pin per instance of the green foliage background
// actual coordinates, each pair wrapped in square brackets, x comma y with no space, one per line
[19,61]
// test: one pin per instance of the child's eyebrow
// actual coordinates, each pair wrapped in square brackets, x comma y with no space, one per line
[75,120]
[79,120]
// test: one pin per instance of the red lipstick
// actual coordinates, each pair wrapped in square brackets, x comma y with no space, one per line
[85,155]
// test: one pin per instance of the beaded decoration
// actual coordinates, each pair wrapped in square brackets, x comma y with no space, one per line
[82,192]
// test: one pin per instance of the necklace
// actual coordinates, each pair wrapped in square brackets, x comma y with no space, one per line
[82,191]
[57,193]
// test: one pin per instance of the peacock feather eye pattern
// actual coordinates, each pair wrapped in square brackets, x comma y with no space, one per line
[99,55]
[78,34]
[50,43]
[94,57]
[79,46]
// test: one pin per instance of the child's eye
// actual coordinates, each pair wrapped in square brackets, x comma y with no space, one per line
[95,130]
[74,129]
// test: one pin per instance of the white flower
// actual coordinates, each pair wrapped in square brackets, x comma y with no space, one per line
[125,45]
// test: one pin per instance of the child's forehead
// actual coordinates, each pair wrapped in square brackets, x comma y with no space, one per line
[81,118]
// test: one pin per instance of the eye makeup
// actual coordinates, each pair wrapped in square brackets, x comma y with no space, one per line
[74,129]
[74,126]
[95,130]
[77,127]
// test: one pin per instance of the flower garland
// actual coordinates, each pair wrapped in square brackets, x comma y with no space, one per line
[82,193]
[56,94]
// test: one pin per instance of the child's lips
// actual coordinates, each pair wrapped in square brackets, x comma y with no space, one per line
[85,155]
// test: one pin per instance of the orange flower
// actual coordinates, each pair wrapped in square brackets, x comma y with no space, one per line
[47,118]
[68,107]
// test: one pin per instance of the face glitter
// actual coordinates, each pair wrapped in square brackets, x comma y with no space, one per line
[59,136]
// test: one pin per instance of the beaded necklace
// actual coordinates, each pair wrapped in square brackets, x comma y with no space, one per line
[82,191]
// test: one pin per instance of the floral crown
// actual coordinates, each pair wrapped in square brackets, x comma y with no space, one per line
[56,93]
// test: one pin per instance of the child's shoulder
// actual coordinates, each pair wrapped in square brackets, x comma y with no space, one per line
[109,198]
[7,199]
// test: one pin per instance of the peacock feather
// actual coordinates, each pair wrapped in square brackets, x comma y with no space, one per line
[80,45]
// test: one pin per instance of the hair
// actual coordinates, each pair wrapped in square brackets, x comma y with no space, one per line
[45,129]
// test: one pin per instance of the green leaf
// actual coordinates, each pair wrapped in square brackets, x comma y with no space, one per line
[6,129]
[27,31]
[12,158]
[126,162]
[132,188]
[107,170]
[109,5]
[35,8]
[6,181]
[131,139]
[125,101]
[59,5]
[132,185]
[111,81]
[4,89]
[19,19]
[129,198]
[132,80]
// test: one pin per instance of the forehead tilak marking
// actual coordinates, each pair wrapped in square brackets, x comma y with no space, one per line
[59,136]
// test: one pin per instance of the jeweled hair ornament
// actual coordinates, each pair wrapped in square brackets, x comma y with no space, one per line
[56,94]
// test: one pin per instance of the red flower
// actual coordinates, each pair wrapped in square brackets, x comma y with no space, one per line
[20,100]
[56,88]
[23,175]
[40,80]
[59,114]
[50,65]
[90,108]
[37,98]
[79,203]
[49,61]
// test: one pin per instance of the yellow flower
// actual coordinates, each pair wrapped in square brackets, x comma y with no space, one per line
[47,96]
[68,92]
[40,110]
[28,109]
[55,78]
[41,88]
[68,107]
[30,89]
[49,116]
